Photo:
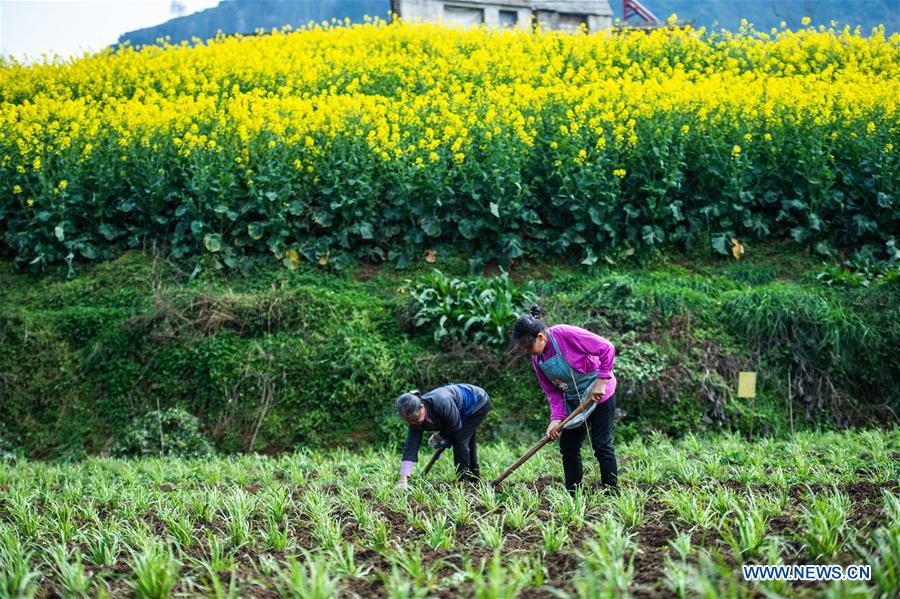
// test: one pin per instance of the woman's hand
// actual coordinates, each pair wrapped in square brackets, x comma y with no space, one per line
[435,441]
[599,389]
[553,429]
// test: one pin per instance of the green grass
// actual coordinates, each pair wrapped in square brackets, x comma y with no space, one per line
[263,360]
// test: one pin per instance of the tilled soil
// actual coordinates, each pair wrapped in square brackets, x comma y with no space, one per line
[253,575]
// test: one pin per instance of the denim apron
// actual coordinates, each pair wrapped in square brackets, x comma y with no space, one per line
[575,385]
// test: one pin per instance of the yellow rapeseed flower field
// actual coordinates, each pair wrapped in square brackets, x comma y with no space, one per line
[373,138]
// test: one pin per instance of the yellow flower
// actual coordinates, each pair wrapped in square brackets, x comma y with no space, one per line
[735,151]
[888,148]
[16,189]
[805,21]
[30,202]
[433,157]
[293,257]
[870,128]
[620,173]
[748,137]
[685,129]
[63,184]
[459,157]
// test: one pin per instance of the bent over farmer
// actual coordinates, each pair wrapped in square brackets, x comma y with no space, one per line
[571,364]
[454,411]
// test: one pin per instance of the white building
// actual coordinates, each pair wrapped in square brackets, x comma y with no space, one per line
[562,15]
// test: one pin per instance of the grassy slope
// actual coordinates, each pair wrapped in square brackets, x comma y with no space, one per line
[82,358]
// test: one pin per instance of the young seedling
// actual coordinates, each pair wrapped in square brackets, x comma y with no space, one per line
[746,531]
[516,516]
[213,586]
[824,524]
[155,571]
[488,497]
[328,532]
[181,528]
[310,580]
[420,494]
[554,535]
[439,533]
[616,541]
[237,523]
[343,560]
[276,533]
[17,578]
[530,570]
[62,522]
[398,586]
[411,562]
[677,575]
[276,502]
[607,560]
[530,500]
[721,500]
[569,509]
[74,580]
[316,505]
[205,504]
[714,578]
[490,531]
[460,511]
[629,506]
[691,507]
[650,471]
[102,547]
[885,554]
[24,516]
[377,533]
[217,555]
[610,582]
[494,582]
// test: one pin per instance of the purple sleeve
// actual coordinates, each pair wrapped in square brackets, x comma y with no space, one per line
[406,468]
[586,342]
[554,395]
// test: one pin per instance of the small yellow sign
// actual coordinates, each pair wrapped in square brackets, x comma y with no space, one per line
[746,384]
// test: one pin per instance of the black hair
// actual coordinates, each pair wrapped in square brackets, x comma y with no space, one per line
[527,327]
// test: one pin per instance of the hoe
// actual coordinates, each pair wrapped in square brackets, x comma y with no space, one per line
[534,449]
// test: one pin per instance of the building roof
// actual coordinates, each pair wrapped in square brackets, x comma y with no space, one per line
[579,7]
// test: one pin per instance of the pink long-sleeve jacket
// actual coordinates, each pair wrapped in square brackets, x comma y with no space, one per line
[585,352]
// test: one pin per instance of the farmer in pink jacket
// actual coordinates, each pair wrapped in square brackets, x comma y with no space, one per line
[571,364]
